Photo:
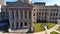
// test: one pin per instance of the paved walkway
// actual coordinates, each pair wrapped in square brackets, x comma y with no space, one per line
[54,29]
[47,31]
[57,31]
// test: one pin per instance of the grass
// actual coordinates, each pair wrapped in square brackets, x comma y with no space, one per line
[58,29]
[50,25]
[54,32]
[38,27]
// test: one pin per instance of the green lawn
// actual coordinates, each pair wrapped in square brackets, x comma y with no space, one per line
[58,29]
[38,27]
[50,25]
[54,32]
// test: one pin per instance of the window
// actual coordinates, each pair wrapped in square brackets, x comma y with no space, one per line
[29,14]
[37,13]
[34,14]
[21,24]
[34,10]
[59,14]
[50,14]
[3,12]
[25,23]
[54,9]
[39,16]
[50,17]
[57,9]
[39,9]
[51,9]
[53,14]
[56,14]
[55,18]
[45,13]
[42,9]
[45,9]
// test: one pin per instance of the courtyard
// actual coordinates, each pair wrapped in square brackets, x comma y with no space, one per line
[38,26]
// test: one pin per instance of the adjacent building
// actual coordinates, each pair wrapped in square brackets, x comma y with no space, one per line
[44,13]
[1,3]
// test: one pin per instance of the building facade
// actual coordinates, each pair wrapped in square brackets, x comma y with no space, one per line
[46,13]
[1,3]
[20,16]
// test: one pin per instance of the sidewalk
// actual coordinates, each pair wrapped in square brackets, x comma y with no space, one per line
[47,31]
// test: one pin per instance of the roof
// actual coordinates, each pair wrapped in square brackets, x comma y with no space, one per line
[19,4]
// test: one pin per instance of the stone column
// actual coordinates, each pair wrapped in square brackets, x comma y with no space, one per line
[19,14]
[9,15]
[14,15]
[10,24]
[23,15]
[28,15]
[14,25]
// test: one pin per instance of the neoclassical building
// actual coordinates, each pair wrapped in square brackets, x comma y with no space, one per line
[19,15]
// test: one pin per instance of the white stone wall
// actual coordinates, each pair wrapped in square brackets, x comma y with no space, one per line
[48,12]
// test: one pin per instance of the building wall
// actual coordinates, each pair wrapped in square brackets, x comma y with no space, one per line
[34,14]
[4,13]
[44,13]
[20,19]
